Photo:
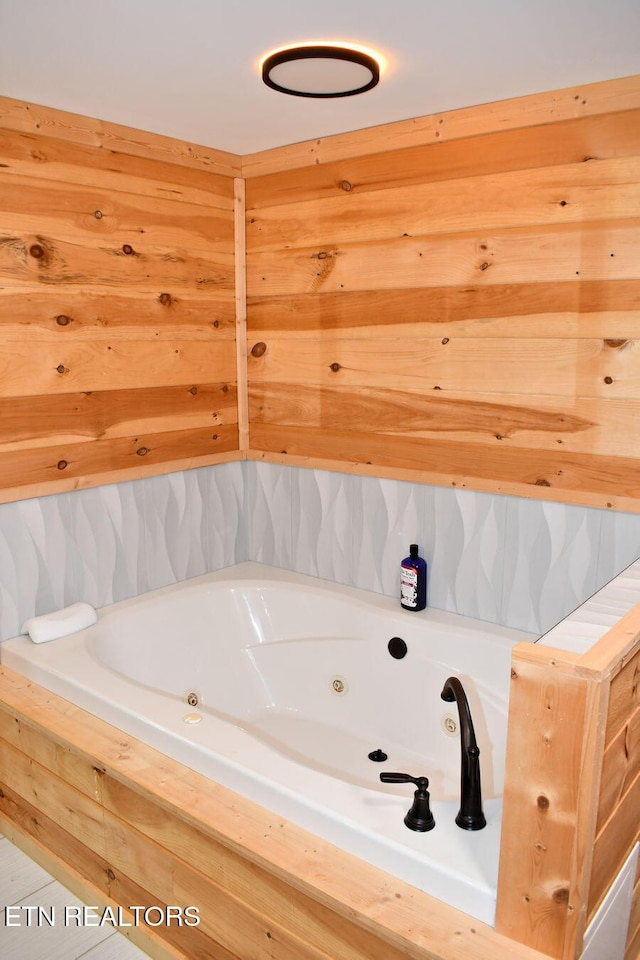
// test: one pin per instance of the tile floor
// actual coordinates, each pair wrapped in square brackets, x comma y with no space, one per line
[23,883]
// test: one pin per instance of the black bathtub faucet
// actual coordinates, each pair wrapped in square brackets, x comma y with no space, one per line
[470,815]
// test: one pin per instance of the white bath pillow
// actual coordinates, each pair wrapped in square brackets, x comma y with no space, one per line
[60,623]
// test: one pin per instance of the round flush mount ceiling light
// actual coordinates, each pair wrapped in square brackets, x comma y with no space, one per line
[321,70]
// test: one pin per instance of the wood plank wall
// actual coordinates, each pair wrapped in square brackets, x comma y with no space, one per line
[452,299]
[455,299]
[117,309]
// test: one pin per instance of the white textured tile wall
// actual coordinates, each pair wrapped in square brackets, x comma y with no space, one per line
[551,561]
[464,543]
[618,544]
[524,563]
[268,513]
[386,516]
[37,569]
[321,524]
[224,489]
[108,543]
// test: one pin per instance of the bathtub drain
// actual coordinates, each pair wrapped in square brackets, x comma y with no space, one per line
[339,685]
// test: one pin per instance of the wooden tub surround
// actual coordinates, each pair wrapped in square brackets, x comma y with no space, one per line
[122,824]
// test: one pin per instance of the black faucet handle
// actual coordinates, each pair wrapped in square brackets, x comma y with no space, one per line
[421,782]
[419,816]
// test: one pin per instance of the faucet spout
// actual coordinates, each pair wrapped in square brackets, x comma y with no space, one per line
[470,815]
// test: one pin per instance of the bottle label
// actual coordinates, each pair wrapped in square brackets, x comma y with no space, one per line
[409,586]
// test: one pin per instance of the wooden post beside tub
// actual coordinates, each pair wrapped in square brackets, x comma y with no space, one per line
[572,789]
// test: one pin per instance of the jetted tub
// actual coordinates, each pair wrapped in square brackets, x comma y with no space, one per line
[279,686]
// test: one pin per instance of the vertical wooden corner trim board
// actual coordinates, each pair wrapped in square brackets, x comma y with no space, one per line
[555,734]
[241,311]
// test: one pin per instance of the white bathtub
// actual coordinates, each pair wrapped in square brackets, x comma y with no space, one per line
[265,653]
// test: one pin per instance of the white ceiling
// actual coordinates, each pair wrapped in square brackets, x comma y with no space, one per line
[189,68]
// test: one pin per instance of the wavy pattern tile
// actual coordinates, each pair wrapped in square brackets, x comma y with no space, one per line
[386,517]
[465,532]
[268,512]
[321,507]
[226,530]
[619,544]
[37,571]
[523,563]
[194,523]
[174,518]
[551,561]
[108,543]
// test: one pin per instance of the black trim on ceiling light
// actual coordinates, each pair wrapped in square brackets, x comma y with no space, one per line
[320,52]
